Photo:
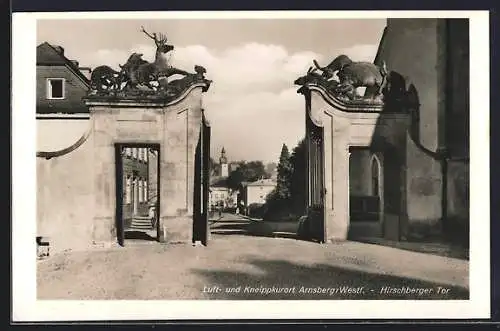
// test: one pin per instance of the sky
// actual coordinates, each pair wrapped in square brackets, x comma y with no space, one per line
[252,105]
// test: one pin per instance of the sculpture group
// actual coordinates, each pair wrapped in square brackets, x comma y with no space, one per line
[350,75]
[139,75]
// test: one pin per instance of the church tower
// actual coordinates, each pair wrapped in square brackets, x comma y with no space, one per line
[224,167]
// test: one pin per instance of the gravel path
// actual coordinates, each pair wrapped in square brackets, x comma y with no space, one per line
[246,267]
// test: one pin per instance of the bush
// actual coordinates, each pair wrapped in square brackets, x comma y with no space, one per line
[256,210]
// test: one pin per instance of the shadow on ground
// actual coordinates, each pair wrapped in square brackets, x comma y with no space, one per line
[139,235]
[293,280]
[428,247]
[229,226]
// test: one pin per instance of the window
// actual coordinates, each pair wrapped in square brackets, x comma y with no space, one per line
[128,151]
[55,88]
[134,153]
[146,190]
[375,176]
[128,190]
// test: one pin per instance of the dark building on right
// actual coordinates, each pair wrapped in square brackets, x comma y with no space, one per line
[432,58]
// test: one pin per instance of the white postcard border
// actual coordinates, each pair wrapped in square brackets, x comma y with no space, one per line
[27,308]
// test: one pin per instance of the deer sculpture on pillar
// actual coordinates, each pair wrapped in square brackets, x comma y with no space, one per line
[137,72]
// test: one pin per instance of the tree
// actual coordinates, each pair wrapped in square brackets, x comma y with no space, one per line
[284,174]
[298,178]
[278,202]
[213,167]
[288,199]
[246,172]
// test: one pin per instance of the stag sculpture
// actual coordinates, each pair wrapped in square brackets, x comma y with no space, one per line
[139,75]
[145,72]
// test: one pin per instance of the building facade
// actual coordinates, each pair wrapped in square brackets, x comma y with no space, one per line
[222,197]
[136,182]
[256,192]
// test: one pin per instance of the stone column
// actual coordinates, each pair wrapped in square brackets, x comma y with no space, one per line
[104,186]
[181,124]
[338,225]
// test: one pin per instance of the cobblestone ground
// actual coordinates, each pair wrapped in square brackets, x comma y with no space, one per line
[247,267]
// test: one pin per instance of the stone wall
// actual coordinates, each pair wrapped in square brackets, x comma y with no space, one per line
[414,49]
[77,191]
[65,195]
[419,50]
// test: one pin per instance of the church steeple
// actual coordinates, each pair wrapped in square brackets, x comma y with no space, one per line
[224,167]
[223,158]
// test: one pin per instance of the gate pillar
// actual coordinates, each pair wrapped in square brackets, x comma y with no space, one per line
[345,121]
[168,116]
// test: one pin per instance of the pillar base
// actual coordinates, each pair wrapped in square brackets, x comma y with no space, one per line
[175,229]
[104,229]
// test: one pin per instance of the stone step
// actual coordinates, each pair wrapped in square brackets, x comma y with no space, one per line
[142,228]
[141,223]
[142,217]
[146,220]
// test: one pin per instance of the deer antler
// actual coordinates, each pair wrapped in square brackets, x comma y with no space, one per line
[153,36]
[163,38]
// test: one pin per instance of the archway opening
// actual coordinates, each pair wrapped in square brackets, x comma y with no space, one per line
[137,192]
[364,194]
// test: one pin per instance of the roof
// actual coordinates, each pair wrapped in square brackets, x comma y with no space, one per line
[52,55]
[263,182]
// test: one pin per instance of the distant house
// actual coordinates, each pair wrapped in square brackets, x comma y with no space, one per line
[220,194]
[256,192]
[61,83]
[221,197]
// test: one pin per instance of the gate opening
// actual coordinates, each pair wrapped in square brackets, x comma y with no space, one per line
[137,192]
[365,193]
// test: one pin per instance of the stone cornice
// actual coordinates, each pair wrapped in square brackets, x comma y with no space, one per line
[152,100]
[355,106]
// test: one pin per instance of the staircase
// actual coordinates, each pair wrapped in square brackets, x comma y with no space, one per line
[141,223]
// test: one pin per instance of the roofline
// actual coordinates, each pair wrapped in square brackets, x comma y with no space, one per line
[79,74]
[67,64]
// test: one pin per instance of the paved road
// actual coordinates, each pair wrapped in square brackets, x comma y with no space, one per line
[249,267]
[230,224]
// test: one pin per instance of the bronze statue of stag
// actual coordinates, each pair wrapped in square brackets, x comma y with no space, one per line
[145,72]
[137,71]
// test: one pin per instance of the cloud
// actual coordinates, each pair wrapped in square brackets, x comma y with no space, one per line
[252,104]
